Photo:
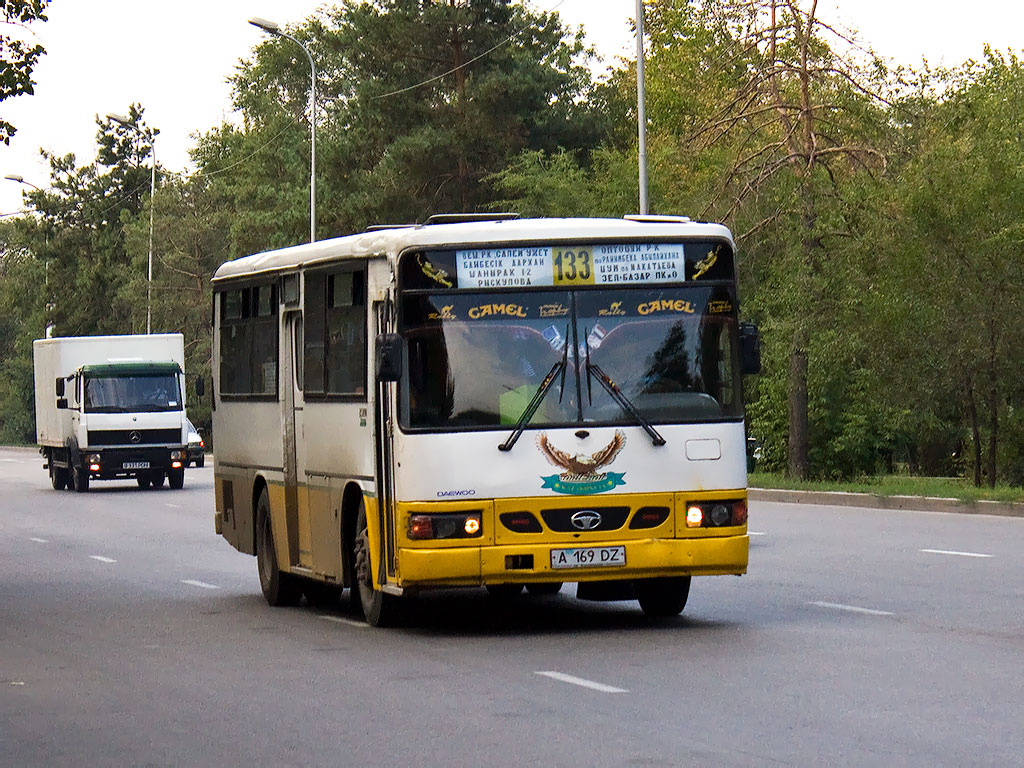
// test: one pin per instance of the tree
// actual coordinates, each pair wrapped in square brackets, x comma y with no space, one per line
[419,104]
[17,57]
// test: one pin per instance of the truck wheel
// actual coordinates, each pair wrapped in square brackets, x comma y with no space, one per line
[58,478]
[278,588]
[663,598]
[176,478]
[201,461]
[379,609]
[143,480]
[81,477]
[156,478]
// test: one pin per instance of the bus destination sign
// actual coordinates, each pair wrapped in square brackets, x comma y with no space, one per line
[570,265]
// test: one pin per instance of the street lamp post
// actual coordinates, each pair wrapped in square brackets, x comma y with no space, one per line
[641,117]
[273,28]
[49,306]
[152,201]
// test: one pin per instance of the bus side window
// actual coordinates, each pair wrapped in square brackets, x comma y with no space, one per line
[314,298]
[346,333]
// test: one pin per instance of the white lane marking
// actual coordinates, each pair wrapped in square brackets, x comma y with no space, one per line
[756,533]
[202,584]
[564,678]
[102,559]
[953,552]
[40,541]
[852,609]
[347,622]
[173,506]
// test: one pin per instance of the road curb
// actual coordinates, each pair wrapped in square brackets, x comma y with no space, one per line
[874,501]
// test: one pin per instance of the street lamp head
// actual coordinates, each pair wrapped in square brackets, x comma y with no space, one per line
[119,119]
[267,26]
[21,180]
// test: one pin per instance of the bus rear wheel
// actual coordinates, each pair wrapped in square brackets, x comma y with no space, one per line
[663,598]
[279,588]
[379,609]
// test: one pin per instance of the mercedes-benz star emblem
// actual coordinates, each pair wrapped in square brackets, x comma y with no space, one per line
[134,436]
[586,519]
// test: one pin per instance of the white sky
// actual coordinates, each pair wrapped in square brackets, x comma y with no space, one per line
[174,58]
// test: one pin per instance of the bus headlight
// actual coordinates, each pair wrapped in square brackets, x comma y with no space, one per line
[716,514]
[449,525]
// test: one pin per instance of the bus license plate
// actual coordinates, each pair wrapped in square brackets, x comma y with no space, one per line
[588,557]
[136,465]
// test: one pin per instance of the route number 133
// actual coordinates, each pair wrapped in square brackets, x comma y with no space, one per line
[573,266]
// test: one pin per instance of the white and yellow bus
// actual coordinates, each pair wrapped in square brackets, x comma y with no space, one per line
[485,401]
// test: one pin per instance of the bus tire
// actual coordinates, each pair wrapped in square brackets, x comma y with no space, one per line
[663,598]
[81,478]
[280,589]
[545,588]
[176,479]
[379,609]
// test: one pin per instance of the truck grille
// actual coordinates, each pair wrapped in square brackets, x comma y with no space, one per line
[98,437]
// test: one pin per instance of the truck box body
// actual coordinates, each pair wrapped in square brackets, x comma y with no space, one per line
[123,406]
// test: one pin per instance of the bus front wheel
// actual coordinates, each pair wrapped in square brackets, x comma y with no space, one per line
[278,588]
[378,609]
[663,598]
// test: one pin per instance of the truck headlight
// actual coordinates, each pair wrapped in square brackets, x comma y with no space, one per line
[176,456]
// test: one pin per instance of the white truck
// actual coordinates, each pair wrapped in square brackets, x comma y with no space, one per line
[112,407]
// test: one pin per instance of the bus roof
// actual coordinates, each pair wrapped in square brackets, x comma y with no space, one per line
[390,242]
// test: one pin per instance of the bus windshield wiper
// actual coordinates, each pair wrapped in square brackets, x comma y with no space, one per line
[617,394]
[538,396]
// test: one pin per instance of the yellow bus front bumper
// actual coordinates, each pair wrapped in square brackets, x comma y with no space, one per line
[529,563]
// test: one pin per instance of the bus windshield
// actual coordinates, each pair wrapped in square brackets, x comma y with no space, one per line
[475,360]
[132,393]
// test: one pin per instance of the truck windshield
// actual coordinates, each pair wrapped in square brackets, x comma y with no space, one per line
[476,359]
[132,393]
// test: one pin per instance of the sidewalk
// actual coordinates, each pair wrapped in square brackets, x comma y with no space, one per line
[872,501]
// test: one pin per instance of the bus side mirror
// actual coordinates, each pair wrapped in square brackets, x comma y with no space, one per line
[389,357]
[58,386]
[750,349]
[200,386]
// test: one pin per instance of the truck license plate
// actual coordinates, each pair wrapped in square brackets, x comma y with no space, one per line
[136,465]
[588,557]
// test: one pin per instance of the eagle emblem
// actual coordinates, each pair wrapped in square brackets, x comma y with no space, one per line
[581,466]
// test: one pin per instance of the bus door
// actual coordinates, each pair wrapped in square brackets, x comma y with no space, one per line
[384,452]
[296,505]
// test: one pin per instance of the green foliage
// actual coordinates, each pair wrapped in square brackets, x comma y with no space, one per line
[18,58]
[877,213]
